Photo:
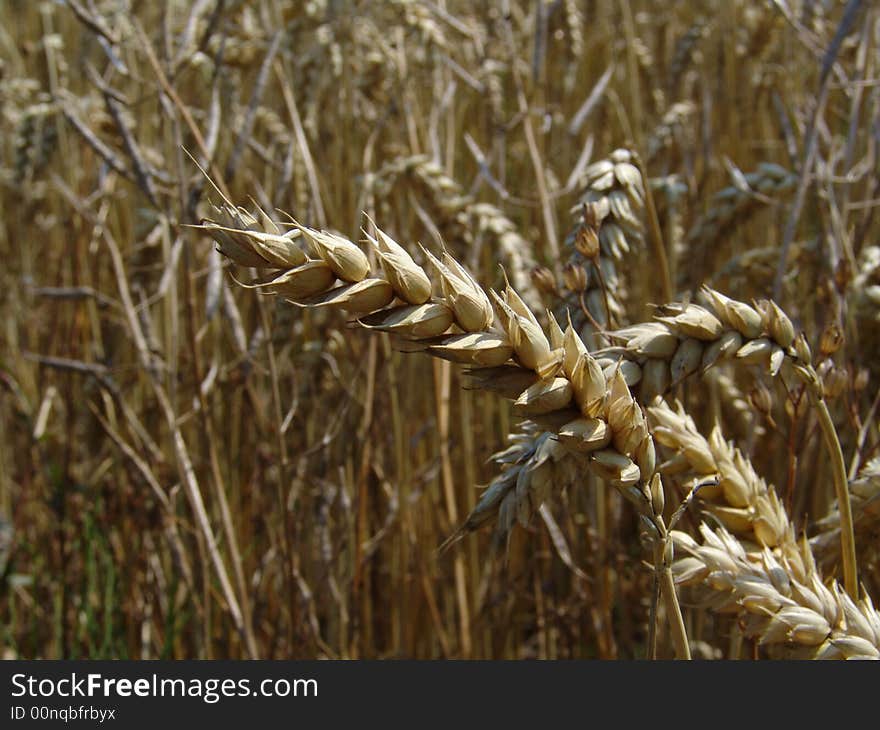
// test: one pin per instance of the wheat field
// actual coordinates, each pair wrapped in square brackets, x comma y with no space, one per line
[439,329]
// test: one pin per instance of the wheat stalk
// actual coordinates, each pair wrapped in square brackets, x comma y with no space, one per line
[559,384]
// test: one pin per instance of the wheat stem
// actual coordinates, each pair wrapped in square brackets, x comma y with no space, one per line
[676,621]
[658,248]
[841,489]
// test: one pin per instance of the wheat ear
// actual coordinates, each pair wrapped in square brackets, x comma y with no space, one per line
[780,597]
[742,501]
[686,338]
[593,298]
[753,564]
[865,495]
[559,384]
[733,205]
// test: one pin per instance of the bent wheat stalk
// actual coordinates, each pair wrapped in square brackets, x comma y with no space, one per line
[554,379]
